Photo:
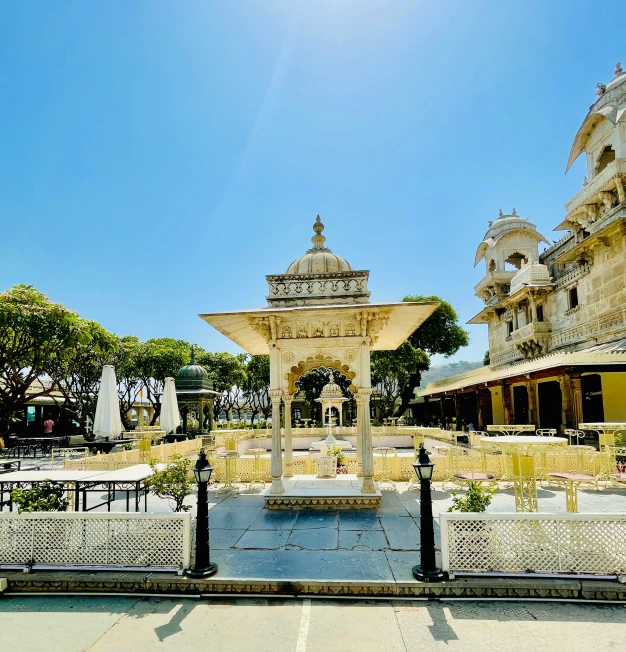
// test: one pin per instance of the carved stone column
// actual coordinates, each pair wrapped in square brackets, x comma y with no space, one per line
[577,401]
[359,439]
[277,461]
[457,411]
[506,402]
[288,444]
[567,416]
[533,412]
[363,423]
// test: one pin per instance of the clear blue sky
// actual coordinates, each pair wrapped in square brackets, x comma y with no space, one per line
[159,158]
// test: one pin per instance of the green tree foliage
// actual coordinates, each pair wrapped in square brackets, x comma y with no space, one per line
[38,338]
[257,386]
[128,374]
[312,383]
[439,334]
[82,373]
[47,496]
[156,360]
[173,482]
[486,358]
[227,372]
[392,370]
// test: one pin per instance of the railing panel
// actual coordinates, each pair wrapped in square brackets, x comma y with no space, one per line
[534,543]
[124,541]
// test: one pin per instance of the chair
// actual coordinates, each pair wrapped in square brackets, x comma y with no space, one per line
[574,434]
[545,432]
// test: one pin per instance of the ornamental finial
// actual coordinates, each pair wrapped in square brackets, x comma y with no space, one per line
[500,213]
[318,239]
[514,213]
[193,355]
[618,70]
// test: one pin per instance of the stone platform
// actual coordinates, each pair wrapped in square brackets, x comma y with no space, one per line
[305,491]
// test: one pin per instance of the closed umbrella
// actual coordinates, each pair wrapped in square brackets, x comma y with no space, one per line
[170,416]
[107,422]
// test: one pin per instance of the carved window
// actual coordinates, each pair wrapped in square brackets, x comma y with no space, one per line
[540,313]
[509,328]
[572,298]
[515,261]
[492,265]
[607,156]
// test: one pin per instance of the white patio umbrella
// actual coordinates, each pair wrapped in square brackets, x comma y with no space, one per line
[170,415]
[107,422]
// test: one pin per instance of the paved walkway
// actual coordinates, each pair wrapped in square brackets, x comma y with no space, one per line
[94,624]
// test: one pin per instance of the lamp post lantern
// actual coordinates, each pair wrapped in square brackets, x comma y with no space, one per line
[427,570]
[203,567]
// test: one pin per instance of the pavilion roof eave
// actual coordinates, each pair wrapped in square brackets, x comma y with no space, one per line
[404,318]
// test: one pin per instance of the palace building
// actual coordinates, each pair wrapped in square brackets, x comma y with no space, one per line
[556,319]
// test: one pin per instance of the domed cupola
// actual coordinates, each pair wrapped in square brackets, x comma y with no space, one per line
[319,259]
[331,389]
[193,376]
[317,278]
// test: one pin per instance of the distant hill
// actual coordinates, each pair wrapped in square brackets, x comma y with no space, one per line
[439,372]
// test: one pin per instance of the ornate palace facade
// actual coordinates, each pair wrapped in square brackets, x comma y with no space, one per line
[556,319]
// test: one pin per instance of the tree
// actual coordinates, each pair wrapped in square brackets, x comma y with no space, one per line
[128,375]
[486,359]
[257,386]
[391,371]
[82,374]
[156,360]
[226,371]
[38,340]
[439,334]
[312,383]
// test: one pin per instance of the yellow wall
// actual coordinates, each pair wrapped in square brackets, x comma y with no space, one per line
[496,405]
[614,396]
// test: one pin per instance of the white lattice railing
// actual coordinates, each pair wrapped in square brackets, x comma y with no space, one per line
[591,544]
[125,541]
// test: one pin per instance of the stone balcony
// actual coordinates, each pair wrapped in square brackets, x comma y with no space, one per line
[494,279]
[533,339]
[602,181]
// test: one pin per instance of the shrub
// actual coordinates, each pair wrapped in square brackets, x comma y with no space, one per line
[47,496]
[173,482]
[337,452]
[476,499]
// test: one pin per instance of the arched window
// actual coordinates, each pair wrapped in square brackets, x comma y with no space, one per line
[515,261]
[607,156]
[492,265]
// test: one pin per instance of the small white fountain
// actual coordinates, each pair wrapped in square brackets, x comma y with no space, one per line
[331,396]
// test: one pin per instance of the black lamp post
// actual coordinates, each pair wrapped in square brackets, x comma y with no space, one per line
[203,567]
[427,571]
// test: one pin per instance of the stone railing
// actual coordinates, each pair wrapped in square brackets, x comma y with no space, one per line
[127,541]
[611,320]
[510,355]
[532,330]
[123,459]
[596,185]
[571,275]
[533,543]
[564,243]
[530,274]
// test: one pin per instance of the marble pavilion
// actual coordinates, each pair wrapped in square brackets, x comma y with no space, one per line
[319,314]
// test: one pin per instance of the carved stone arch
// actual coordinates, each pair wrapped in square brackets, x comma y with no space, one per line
[311,362]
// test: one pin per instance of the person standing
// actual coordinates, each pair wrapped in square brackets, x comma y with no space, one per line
[48,426]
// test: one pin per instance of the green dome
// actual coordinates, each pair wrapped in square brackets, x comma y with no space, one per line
[193,371]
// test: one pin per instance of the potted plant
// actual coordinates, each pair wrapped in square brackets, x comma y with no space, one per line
[338,453]
[173,482]
[476,499]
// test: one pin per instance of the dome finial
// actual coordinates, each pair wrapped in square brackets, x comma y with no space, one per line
[514,213]
[500,213]
[618,70]
[318,239]
[193,355]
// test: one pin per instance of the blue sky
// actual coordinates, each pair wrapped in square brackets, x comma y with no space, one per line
[159,158]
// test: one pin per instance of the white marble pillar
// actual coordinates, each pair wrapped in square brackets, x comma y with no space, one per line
[288,443]
[359,439]
[277,460]
[367,454]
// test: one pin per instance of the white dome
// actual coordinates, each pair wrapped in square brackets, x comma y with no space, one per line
[319,259]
